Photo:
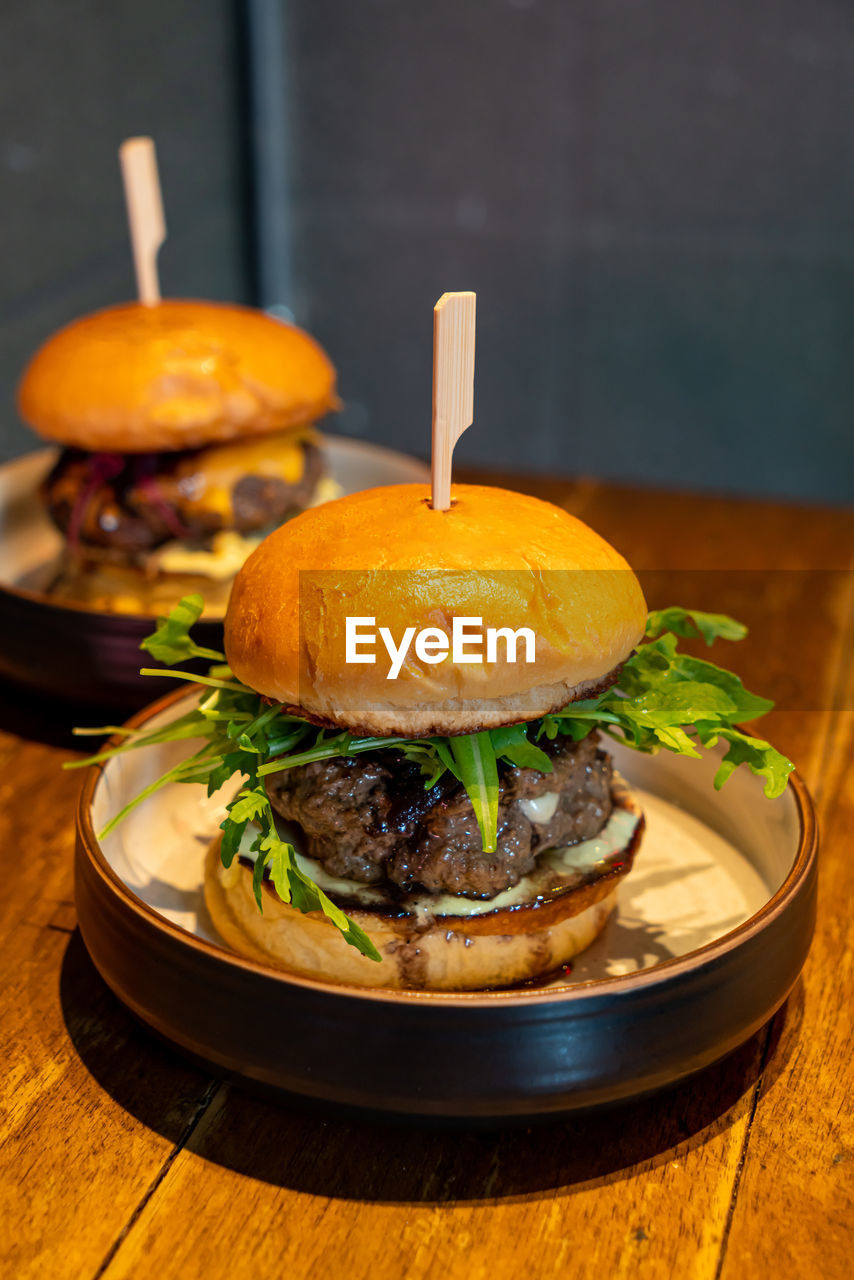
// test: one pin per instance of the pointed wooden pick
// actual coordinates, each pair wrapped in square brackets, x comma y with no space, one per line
[145,213]
[453,386]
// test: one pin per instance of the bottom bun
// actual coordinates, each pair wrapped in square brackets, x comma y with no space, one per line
[114,588]
[494,948]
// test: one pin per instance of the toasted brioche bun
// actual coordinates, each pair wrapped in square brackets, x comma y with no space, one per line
[507,558]
[179,375]
[440,953]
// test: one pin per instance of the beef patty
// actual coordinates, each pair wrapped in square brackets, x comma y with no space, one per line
[369,818]
[127,505]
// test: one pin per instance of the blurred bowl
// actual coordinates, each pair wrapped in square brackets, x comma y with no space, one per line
[84,655]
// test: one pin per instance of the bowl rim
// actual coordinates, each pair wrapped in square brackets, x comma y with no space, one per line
[794,883]
[133,621]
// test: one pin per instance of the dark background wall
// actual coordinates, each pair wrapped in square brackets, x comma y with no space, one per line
[78,77]
[654,201]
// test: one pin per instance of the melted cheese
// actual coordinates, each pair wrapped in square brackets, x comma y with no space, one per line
[207,479]
[228,549]
[540,809]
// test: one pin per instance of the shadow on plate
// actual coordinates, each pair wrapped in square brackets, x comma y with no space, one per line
[319,1150]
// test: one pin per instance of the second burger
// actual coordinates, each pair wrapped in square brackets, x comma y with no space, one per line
[187,433]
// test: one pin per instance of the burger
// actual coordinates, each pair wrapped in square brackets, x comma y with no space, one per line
[444,804]
[446,904]
[187,433]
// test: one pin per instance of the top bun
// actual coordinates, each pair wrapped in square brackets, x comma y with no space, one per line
[178,375]
[385,554]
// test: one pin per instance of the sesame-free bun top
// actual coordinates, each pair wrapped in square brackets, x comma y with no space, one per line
[507,558]
[177,375]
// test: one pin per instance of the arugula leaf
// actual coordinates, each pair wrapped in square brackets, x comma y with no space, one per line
[668,699]
[191,770]
[684,703]
[659,665]
[576,721]
[278,857]
[693,622]
[258,872]
[747,706]
[231,764]
[446,755]
[171,643]
[293,885]
[474,757]
[426,756]
[759,756]
[469,762]
[232,835]
[248,805]
[187,726]
[341,745]
[193,679]
[512,743]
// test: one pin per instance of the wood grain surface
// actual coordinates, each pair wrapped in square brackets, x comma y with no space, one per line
[119,1159]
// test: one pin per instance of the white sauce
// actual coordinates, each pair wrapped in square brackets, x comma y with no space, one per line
[558,868]
[221,561]
[540,809]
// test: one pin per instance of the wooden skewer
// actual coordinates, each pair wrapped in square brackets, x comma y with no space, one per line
[145,213]
[453,386]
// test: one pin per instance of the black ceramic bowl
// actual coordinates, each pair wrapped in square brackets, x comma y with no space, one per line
[84,655]
[713,927]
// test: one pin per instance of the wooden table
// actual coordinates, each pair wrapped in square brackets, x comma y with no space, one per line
[119,1159]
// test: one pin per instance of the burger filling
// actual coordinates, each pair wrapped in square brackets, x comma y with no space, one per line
[467,816]
[123,507]
[369,818]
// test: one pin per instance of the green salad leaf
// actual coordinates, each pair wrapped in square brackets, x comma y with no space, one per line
[693,622]
[171,642]
[278,858]
[476,767]
[663,700]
